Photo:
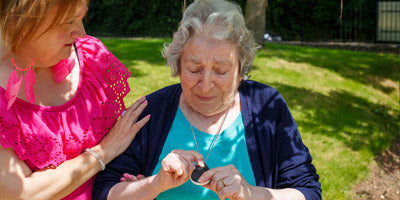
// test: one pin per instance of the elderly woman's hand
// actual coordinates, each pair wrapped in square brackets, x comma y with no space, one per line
[227,182]
[177,167]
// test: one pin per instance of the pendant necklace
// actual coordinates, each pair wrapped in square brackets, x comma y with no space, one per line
[198,171]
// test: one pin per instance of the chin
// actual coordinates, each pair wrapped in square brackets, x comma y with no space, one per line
[206,111]
[66,53]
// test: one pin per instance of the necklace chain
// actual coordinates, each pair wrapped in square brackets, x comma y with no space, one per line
[216,136]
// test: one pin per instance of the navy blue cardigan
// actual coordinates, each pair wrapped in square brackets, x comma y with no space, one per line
[278,156]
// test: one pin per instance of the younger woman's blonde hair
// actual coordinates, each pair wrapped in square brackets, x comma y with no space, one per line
[21,19]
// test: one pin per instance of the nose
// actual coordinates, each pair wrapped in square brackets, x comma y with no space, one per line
[206,82]
[79,31]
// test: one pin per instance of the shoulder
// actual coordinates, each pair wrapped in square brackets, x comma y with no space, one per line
[94,54]
[165,95]
[92,49]
[89,41]
[163,103]
[257,92]
[255,87]
[262,101]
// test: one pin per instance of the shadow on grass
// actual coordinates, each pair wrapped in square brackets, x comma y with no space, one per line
[367,68]
[356,122]
[130,52]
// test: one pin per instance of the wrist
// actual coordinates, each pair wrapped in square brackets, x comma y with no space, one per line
[100,151]
[261,193]
[158,185]
[99,160]
[154,185]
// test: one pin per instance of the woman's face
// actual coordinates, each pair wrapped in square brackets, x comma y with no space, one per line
[56,44]
[209,74]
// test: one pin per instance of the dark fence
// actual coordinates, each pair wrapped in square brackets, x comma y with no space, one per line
[312,20]
[301,20]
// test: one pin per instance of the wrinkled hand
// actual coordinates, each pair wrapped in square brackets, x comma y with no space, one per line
[227,182]
[123,131]
[177,167]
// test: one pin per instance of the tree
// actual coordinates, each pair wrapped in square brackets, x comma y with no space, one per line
[255,18]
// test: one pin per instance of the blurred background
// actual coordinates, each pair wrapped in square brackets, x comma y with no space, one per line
[300,20]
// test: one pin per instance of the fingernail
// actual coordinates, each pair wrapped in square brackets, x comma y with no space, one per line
[145,102]
[201,163]
[122,179]
[148,116]
[143,98]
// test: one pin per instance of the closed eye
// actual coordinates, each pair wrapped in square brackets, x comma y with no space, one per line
[222,72]
[194,71]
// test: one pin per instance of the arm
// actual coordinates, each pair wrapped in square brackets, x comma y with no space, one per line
[295,168]
[279,151]
[176,169]
[142,189]
[277,194]
[17,181]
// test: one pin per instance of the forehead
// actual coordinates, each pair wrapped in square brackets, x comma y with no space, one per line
[70,10]
[201,47]
[63,11]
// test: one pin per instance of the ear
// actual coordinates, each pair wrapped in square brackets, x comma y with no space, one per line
[178,67]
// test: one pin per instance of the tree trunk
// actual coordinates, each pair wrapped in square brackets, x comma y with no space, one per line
[256,11]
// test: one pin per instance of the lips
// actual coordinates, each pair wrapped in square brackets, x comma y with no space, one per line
[205,98]
[68,45]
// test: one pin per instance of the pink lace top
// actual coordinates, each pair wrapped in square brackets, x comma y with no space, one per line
[46,136]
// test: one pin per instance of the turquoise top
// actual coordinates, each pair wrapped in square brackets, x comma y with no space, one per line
[230,148]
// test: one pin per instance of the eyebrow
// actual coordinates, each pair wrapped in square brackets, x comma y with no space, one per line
[222,61]
[193,59]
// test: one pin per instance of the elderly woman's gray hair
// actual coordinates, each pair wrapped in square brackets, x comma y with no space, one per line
[218,19]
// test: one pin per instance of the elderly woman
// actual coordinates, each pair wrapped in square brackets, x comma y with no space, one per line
[61,92]
[241,130]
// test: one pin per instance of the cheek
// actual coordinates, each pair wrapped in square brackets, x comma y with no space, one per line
[229,86]
[187,81]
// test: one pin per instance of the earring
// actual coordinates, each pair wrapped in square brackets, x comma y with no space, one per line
[63,68]
[14,84]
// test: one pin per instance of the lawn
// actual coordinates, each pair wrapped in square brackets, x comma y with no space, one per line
[346,103]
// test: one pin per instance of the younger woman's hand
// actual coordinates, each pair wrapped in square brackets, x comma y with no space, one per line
[131,178]
[123,131]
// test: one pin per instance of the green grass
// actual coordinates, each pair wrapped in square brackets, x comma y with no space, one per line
[346,103]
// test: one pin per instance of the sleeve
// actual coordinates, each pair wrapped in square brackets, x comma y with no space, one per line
[130,161]
[127,162]
[105,75]
[294,160]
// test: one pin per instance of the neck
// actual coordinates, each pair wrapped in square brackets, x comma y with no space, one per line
[210,124]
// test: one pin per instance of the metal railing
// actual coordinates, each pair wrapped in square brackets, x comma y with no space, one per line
[388,21]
